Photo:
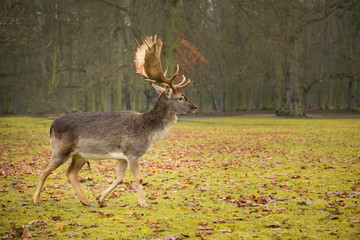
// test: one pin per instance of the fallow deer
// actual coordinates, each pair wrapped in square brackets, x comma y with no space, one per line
[124,135]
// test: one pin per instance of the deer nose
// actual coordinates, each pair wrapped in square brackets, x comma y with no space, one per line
[193,107]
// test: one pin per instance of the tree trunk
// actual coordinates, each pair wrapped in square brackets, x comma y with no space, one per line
[291,104]
[170,35]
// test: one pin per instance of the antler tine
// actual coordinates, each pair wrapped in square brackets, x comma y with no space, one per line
[167,68]
[145,41]
[150,80]
[182,84]
[171,80]
[137,43]
[176,73]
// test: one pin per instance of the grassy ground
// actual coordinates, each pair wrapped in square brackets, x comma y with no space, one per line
[210,178]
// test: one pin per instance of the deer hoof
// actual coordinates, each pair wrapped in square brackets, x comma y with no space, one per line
[102,204]
[143,205]
[87,204]
[37,204]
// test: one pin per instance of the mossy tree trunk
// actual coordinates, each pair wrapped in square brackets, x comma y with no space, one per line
[291,104]
[170,37]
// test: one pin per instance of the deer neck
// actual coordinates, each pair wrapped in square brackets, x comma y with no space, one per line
[159,120]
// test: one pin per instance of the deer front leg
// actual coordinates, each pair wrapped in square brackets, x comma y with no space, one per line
[120,176]
[76,164]
[135,169]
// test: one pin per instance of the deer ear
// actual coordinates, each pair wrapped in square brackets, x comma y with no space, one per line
[168,92]
[158,89]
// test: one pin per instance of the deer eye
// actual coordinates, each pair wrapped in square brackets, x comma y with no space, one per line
[181,98]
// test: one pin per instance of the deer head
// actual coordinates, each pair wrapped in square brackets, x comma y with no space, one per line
[148,65]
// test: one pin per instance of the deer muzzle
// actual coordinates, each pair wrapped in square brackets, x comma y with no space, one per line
[192,109]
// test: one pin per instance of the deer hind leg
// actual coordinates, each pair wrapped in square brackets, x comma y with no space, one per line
[120,176]
[135,169]
[56,160]
[76,164]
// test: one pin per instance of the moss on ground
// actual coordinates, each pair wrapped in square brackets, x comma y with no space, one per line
[210,178]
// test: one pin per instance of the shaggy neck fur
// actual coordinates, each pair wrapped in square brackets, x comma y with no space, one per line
[160,119]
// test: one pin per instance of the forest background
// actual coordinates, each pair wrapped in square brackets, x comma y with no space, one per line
[61,56]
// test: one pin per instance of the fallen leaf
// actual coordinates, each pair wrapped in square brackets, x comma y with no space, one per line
[91,226]
[153,197]
[106,215]
[228,230]
[26,234]
[62,228]
[304,203]
[202,234]
[205,227]
[170,237]
[24,204]
[274,225]
[55,218]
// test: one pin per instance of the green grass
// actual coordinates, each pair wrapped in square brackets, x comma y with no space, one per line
[210,178]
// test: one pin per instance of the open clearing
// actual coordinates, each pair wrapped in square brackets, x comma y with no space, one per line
[210,178]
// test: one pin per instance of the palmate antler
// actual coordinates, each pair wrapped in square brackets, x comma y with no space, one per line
[148,64]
